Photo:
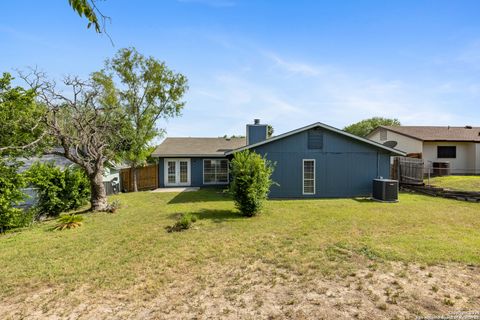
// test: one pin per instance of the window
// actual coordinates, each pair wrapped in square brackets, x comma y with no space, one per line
[383,135]
[215,171]
[446,152]
[308,176]
[315,139]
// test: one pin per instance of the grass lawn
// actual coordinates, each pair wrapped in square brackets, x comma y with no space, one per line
[463,183]
[130,251]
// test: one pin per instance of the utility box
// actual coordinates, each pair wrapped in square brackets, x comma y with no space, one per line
[385,190]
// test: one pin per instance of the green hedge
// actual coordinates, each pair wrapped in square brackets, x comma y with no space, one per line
[58,190]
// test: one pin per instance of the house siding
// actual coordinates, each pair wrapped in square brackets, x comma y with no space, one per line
[464,163]
[404,143]
[256,133]
[196,171]
[343,167]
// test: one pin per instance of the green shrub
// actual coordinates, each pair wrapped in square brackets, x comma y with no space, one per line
[68,221]
[11,184]
[184,222]
[58,190]
[251,181]
[113,206]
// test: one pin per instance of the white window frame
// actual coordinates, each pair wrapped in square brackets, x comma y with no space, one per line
[177,172]
[215,183]
[314,176]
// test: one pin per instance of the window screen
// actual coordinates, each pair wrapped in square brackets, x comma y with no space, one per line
[215,171]
[308,176]
[446,152]
[315,139]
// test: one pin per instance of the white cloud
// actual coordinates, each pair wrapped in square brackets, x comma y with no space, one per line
[292,66]
[292,93]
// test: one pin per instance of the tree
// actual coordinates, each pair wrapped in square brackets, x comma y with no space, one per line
[20,131]
[149,91]
[269,131]
[89,9]
[11,184]
[364,127]
[251,181]
[84,125]
[21,134]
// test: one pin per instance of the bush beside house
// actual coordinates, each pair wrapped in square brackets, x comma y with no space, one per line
[251,181]
[58,190]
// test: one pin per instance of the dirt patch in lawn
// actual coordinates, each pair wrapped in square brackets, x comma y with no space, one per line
[259,290]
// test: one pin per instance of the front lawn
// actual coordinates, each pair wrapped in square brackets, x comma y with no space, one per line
[462,183]
[129,253]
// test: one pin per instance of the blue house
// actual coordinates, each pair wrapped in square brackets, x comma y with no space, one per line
[316,161]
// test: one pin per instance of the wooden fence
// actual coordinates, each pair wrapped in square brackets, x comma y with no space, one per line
[147,178]
[408,170]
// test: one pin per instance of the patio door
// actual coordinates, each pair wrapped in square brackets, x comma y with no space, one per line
[177,172]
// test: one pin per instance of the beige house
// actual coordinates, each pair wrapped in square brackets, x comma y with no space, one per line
[456,148]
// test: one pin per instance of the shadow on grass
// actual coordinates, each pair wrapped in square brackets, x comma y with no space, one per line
[362,200]
[214,215]
[203,195]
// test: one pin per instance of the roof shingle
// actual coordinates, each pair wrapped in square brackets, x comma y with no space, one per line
[438,133]
[182,147]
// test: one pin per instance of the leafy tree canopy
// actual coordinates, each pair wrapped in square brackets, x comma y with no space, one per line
[364,127]
[147,91]
[87,9]
[20,129]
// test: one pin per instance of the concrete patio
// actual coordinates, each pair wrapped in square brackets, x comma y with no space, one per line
[179,189]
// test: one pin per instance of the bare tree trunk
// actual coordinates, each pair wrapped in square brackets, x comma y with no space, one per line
[98,199]
[135,176]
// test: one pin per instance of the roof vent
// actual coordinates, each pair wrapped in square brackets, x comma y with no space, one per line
[256,121]
[468,127]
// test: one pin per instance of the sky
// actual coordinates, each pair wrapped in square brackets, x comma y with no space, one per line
[288,63]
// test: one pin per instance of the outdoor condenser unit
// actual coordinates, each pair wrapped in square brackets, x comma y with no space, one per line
[385,190]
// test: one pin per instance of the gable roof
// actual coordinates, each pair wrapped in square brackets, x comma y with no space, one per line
[197,147]
[436,133]
[326,127]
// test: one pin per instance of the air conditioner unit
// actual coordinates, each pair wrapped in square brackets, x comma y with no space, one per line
[385,190]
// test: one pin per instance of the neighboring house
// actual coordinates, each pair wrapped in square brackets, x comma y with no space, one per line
[315,161]
[458,147]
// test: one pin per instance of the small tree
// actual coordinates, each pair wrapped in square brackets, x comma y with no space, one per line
[147,92]
[251,181]
[85,124]
[364,127]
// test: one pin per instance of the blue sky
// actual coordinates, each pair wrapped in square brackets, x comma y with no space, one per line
[289,63]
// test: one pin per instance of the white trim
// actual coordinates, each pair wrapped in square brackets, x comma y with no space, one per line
[215,183]
[324,126]
[314,176]
[177,172]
